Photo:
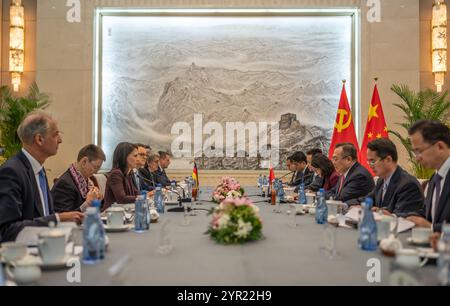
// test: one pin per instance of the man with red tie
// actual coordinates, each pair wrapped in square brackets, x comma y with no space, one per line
[354,181]
[431,146]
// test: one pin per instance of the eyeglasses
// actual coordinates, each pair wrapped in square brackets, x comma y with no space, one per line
[374,162]
[335,158]
[417,152]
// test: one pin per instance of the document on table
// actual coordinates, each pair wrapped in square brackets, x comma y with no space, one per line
[403,224]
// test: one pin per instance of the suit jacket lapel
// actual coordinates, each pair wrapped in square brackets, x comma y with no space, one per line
[443,199]
[32,177]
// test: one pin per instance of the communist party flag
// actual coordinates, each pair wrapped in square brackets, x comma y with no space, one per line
[195,176]
[376,127]
[344,129]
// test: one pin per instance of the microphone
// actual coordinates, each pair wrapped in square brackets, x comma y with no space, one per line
[136,172]
[286,175]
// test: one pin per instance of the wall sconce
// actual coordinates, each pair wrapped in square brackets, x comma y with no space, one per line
[439,43]
[16,42]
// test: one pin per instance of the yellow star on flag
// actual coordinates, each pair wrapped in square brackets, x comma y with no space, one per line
[379,136]
[370,135]
[386,129]
[373,111]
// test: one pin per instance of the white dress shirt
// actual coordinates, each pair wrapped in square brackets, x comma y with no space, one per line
[37,167]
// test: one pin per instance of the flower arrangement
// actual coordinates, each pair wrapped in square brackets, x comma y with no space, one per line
[235,221]
[228,189]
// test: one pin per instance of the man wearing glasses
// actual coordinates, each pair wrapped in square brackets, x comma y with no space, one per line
[397,192]
[431,146]
[354,181]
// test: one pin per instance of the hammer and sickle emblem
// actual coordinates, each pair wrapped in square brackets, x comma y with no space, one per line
[340,125]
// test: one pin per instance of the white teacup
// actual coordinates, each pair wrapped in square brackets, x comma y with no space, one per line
[115,217]
[409,258]
[421,234]
[310,198]
[24,271]
[12,251]
[52,246]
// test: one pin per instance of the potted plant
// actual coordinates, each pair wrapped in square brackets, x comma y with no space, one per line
[426,104]
[12,111]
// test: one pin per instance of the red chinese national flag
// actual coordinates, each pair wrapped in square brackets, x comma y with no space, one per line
[271,175]
[376,127]
[344,129]
[195,176]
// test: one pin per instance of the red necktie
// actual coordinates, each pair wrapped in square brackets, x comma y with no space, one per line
[341,183]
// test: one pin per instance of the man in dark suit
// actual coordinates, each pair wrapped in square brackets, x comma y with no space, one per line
[397,192]
[302,173]
[431,146]
[160,174]
[77,188]
[147,173]
[24,192]
[355,181]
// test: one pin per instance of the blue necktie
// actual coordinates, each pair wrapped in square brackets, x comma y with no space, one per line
[43,185]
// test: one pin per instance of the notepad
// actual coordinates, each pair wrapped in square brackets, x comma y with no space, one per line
[403,224]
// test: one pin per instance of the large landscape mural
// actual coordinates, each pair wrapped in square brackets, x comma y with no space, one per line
[157,71]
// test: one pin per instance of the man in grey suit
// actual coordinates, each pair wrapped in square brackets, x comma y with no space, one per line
[25,198]
[355,181]
[431,146]
[397,192]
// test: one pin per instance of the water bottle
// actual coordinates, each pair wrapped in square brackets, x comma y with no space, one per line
[139,214]
[301,194]
[92,232]
[444,256]
[159,201]
[321,209]
[2,277]
[173,197]
[280,190]
[368,228]
[97,204]
[146,208]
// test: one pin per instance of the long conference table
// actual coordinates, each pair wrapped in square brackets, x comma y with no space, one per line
[286,256]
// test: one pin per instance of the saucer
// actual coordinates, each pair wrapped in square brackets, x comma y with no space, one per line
[59,265]
[428,253]
[124,228]
[412,242]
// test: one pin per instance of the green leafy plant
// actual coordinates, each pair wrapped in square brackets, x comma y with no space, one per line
[12,111]
[426,104]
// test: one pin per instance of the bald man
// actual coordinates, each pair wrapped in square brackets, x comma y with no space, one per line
[25,198]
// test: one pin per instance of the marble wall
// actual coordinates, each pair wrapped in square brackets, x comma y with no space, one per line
[390,50]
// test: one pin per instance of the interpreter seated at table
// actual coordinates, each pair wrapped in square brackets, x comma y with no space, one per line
[396,192]
[77,187]
[355,181]
[324,169]
[317,181]
[147,173]
[431,146]
[120,187]
[25,199]
[160,174]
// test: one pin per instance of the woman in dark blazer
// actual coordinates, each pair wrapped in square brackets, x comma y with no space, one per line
[120,187]
[325,169]
[77,187]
